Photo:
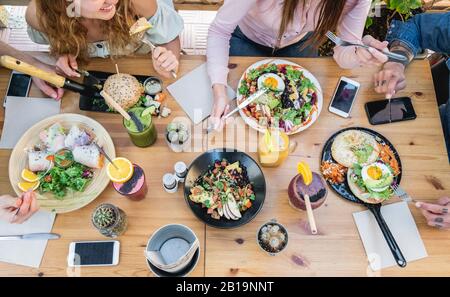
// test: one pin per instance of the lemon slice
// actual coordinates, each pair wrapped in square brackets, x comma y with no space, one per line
[122,173]
[268,141]
[29,176]
[304,170]
[149,111]
[27,186]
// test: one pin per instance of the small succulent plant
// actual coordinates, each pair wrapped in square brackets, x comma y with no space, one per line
[104,216]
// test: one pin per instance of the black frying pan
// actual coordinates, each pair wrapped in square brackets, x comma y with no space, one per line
[202,164]
[344,191]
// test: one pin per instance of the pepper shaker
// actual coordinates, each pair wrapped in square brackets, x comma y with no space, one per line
[180,171]
[170,183]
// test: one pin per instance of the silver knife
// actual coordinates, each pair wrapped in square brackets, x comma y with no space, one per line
[244,104]
[31,236]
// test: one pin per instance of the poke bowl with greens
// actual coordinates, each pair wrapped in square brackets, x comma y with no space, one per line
[292,102]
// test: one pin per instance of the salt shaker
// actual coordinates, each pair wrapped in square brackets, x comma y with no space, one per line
[170,183]
[180,171]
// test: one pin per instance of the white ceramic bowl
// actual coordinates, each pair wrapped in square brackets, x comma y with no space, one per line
[172,247]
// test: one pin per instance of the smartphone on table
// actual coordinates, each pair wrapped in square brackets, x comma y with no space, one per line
[19,85]
[384,112]
[93,253]
[344,96]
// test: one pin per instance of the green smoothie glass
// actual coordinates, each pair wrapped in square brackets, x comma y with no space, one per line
[148,135]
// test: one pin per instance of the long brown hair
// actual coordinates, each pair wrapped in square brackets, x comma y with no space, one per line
[67,35]
[330,12]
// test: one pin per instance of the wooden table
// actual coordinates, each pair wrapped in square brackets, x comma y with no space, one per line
[336,251]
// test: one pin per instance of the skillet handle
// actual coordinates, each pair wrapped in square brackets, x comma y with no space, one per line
[393,246]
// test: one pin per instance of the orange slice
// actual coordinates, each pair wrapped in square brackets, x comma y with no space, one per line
[304,170]
[27,186]
[122,173]
[29,176]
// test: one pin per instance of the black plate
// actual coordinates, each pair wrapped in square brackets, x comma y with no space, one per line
[343,189]
[98,103]
[202,164]
[183,272]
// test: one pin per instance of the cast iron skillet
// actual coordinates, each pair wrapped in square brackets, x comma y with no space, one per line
[255,175]
[344,191]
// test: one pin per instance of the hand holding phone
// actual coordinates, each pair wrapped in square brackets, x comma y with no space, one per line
[344,97]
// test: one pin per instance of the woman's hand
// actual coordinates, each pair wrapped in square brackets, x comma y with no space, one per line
[437,215]
[390,79]
[66,65]
[370,57]
[220,108]
[18,210]
[164,61]
[55,93]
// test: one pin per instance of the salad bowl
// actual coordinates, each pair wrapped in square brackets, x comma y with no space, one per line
[203,164]
[293,103]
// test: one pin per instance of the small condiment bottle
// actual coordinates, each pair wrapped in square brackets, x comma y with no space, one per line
[170,183]
[180,171]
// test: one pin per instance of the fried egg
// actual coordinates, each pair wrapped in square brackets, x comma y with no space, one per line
[271,81]
[377,176]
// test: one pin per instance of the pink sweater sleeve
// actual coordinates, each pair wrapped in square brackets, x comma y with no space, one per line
[217,52]
[351,28]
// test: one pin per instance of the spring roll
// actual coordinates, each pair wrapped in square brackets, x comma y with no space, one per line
[88,155]
[76,137]
[53,138]
[37,161]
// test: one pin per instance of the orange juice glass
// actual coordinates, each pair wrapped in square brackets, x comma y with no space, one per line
[273,148]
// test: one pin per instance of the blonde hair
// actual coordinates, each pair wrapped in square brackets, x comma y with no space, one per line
[67,36]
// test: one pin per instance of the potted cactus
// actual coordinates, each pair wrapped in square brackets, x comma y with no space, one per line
[109,220]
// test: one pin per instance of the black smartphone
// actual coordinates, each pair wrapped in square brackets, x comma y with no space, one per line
[19,85]
[383,112]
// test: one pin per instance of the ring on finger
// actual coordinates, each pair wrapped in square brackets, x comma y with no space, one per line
[439,220]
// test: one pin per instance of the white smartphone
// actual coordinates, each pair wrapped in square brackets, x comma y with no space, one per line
[93,253]
[344,97]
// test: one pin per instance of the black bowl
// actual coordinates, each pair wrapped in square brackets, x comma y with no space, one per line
[202,164]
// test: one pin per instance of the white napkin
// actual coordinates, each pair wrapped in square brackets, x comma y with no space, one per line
[23,112]
[26,252]
[193,92]
[401,223]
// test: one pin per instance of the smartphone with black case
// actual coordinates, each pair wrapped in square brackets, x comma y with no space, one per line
[398,110]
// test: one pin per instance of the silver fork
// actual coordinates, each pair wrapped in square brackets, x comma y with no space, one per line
[402,193]
[339,41]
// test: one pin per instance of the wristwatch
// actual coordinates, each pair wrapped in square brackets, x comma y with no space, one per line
[400,48]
